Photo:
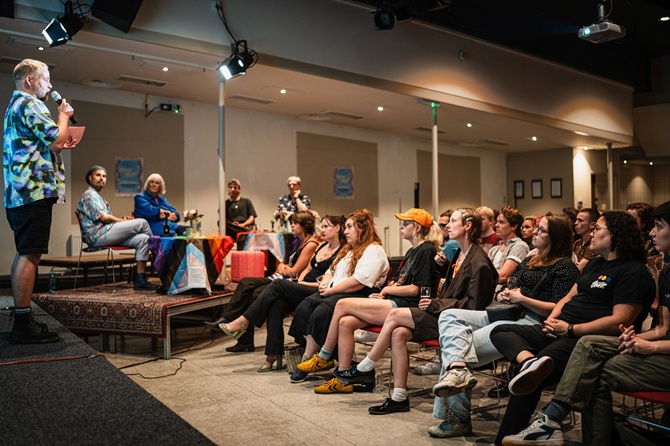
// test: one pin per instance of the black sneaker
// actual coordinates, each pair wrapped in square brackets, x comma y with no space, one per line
[390,406]
[355,376]
[298,376]
[143,284]
[27,330]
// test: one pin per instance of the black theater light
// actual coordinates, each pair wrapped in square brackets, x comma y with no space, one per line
[384,19]
[61,29]
[239,61]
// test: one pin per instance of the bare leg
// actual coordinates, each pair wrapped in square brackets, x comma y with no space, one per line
[346,343]
[311,348]
[141,266]
[398,317]
[523,355]
[369,311]
[401,336]
[239,323]
[24,269]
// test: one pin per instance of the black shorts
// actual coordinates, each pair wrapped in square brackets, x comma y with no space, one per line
[31,224]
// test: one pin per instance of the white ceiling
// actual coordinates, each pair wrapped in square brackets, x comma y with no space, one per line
[103,60]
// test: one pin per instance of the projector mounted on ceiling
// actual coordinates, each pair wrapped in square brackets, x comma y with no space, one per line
[602,30]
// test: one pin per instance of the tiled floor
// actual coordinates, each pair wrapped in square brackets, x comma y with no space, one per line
[223,396]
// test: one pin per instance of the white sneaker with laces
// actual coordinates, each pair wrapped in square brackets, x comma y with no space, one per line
[542,431]
[533,372]
[366,336]
[432,367]
[455,381]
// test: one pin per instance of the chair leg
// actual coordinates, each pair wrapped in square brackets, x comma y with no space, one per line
[76,274]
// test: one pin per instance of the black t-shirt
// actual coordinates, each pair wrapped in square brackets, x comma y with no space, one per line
[604,284]
[240,210]
[418,268]
[664,291]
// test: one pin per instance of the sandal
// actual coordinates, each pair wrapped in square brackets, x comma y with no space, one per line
[235,334]
[277,364]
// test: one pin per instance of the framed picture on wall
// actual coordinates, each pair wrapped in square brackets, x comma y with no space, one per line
[518,189]
[556,188]
[536,188]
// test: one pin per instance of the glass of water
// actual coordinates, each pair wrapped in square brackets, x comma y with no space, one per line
[425,292]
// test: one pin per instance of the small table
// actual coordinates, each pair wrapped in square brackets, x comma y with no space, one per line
[185,263]
[279,244]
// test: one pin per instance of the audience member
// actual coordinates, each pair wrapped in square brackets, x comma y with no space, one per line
[527,230]
[472,280]
[294,201]
[359,270]
[34,176]
[489,236]
[152,206]
[584,224]
[418,269]
[449,247]
[240,212]
[281,297]
[643,214]
[464,334]
[249,288]
[100,227]
[601,364]
[614,289]
[510,250]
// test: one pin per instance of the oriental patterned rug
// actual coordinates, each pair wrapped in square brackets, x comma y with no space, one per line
[115,310]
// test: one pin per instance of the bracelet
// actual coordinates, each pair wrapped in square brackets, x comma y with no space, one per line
[571,332]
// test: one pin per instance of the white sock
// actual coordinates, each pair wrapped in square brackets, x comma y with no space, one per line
[366,365]
[399,394]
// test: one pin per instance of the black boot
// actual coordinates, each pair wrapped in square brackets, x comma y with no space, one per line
[141,283]
[27,330]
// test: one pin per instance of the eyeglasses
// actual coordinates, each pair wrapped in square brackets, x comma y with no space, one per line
[406,223]
[597,228]
[540,230]
[442,225]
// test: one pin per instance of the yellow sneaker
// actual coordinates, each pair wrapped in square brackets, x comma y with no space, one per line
[334,386]
[314,364]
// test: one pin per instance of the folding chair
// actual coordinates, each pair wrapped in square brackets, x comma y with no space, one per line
[110,253]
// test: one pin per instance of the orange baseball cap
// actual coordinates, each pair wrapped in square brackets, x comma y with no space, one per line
[418,216]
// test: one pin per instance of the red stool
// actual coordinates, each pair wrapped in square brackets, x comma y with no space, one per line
[246,264]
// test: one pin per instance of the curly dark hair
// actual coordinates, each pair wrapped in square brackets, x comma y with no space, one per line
[626,237]
[644,213]
[514,218]
[306,220]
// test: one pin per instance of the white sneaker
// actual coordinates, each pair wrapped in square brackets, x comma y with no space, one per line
[533,372]
[432,367]
[366,336]
[542,431]
[455,381]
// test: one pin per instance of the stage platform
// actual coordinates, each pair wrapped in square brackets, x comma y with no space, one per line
[68,394]
[117,309]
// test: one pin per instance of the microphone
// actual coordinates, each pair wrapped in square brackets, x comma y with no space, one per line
[58,99]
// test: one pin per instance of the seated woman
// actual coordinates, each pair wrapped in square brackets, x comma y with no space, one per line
[464,334]
[359,270]
[528,229]
[472,280]
[152,206]
[601,364]
[249,288]
[418,270]
[614,289]
[282,296]
[511,250]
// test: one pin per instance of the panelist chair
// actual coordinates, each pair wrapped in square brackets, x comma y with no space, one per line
[110,253]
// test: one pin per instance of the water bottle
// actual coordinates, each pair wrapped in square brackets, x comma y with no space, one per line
[52,282]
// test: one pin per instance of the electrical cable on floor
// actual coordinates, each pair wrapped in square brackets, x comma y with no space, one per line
[181,363]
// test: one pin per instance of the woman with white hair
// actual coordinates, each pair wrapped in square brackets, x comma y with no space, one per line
[152,206]
[294,201]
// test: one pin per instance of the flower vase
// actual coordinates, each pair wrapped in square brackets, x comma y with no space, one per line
[196,228]
[283,226]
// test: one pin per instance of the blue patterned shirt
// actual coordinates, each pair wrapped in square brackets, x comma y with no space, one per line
[91,206]
[286,204]
[32,171]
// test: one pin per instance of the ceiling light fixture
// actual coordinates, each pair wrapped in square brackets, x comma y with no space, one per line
[384,19]
[61,29]
[664,19]
[534,138]
[239,61]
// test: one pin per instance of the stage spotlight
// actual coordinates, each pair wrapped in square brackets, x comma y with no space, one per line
[61,29]
[239,61]
[384,19]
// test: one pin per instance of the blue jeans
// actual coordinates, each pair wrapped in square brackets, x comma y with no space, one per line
[464,336]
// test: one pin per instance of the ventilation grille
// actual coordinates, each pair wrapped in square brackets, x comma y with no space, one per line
[427,129]
[250,99]
[496,142]
[335,114]
[141,81]
[14,62]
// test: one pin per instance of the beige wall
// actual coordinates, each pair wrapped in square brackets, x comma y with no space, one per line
[459,181]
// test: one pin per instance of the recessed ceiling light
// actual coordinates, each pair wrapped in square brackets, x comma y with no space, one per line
[651,163]
[664,19]
[282,91]
[625,161]
[577,132]
[586,148]
[166,69]
[469,124]
[41,48]
[380,108]
[534,138]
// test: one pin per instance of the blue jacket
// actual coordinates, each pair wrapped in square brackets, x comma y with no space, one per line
[148,208]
